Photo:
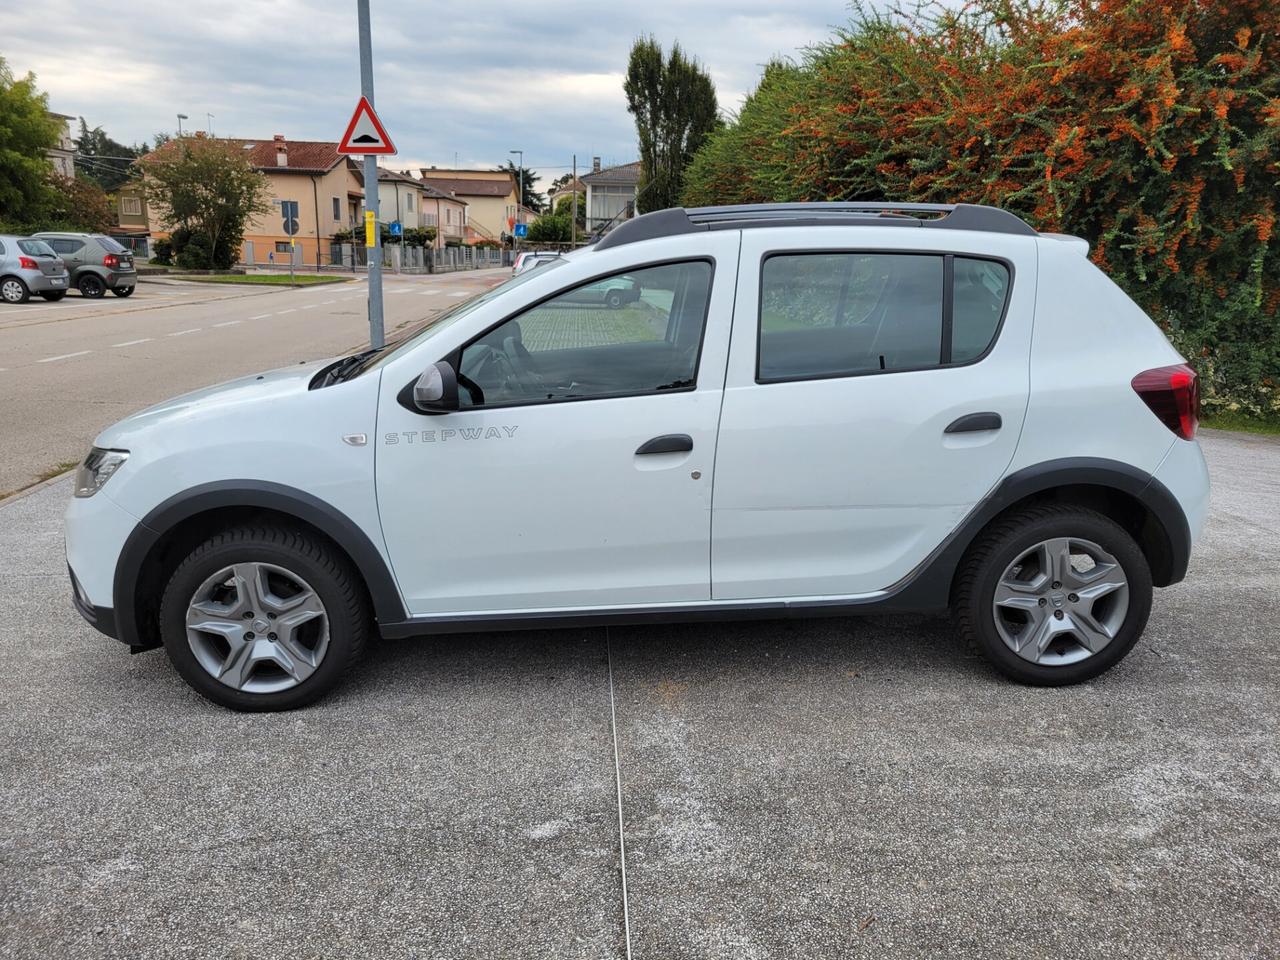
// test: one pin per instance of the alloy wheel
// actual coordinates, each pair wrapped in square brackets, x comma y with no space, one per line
[1061,601]
[257,627]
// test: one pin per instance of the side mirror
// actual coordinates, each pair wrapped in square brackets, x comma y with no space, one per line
[436,391]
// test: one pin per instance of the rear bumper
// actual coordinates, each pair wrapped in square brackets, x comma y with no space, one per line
[43,284]
[122,279]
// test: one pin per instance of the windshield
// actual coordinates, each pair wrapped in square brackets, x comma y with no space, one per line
[109,244]
[429,327]
[37,248]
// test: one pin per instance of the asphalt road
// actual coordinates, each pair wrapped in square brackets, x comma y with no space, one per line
[839,788]
[70,368]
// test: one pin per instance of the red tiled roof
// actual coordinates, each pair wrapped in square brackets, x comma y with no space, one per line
[499,186]
[304,156]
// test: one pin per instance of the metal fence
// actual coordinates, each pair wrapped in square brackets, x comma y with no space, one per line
[397,258]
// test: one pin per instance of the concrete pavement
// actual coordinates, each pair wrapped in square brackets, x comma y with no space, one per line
[70,368]
[836,788]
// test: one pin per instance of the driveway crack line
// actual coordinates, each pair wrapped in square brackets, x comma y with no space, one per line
[617,779]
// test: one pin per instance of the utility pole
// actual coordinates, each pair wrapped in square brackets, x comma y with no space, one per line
[519,196]
[376,336]
[181,117]
[573,220]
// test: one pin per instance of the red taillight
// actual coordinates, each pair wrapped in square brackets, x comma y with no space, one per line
[111,260]
[1173,394]
[26,263]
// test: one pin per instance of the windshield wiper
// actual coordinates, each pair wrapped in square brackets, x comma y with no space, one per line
[348,366]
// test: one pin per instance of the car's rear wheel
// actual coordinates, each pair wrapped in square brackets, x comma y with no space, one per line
[53,296]
[263,618]
[13,290]
[91,286]
[614,299]
[1053,594]
[122,291]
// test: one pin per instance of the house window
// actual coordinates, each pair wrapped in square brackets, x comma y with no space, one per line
[337,209]
[448,215]
[282,246]
[131,206]
[408,202]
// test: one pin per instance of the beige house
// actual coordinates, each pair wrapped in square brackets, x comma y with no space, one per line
[447,213]
[413,202]
[491,197]
[611,193]
[63,156]
[326,187]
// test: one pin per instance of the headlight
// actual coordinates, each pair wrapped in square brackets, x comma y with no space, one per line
[97,469]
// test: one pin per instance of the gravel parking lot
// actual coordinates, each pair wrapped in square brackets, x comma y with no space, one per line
[838,788]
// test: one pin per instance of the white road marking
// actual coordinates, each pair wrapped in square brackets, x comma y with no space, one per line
[325,303]
[309,306]
[183,333]
[261,316]
[428,293]
[227,323]
[64,356]
[281,313]
[461,293]
[130,343]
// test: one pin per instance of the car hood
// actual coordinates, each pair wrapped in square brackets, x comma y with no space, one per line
[219,400]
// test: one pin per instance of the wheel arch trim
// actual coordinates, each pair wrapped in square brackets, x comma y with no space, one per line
[388,606]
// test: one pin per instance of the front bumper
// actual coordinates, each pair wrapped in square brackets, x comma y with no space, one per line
[39,283]
[102,619]
[95,530]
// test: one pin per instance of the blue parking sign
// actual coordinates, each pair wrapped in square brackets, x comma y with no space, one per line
[397,228]
[522,229]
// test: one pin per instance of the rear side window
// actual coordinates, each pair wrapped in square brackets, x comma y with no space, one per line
[847,314]
[66,246]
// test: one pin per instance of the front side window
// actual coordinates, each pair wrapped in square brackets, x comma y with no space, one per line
[846,314]
[632,333]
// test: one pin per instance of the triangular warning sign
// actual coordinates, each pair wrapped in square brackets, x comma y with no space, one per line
[365,133]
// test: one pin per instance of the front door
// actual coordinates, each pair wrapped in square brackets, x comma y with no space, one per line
[845,456]
[578,472]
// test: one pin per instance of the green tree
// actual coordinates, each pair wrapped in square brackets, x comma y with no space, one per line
[532,198]
[27,132]
[564,208]
[105,161]
[550,228]
[208,187]
[79,203]
[674,103]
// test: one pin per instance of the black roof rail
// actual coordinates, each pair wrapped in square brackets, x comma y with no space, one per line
[949,216]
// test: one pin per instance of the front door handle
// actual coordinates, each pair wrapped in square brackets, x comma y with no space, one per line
[670,443]
[973,422]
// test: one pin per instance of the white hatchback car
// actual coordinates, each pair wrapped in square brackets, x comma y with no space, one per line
[807,410]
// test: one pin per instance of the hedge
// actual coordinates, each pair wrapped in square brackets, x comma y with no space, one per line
[1152,129]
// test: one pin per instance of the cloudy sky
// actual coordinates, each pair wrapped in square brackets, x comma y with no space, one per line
[464,80]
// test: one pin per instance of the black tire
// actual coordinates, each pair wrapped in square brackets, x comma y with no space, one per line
[91,286]
[122,291]
[53,296]
[1001,544]
[328,573]
[14,291]
[614,299]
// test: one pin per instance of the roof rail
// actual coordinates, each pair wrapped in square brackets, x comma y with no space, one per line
[948,216]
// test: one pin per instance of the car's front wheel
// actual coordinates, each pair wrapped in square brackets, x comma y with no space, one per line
[263,618]
[13,290]
[91,286]
[1053,594]
[614,299]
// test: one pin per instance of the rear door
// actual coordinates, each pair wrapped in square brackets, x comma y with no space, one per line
[876,388]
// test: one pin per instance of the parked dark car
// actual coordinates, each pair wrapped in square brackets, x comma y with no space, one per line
[96,262]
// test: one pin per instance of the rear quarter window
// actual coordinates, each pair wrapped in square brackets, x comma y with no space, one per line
[36,248]
[108,244]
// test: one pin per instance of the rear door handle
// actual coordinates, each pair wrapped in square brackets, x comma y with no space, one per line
[670,443]
[973,422]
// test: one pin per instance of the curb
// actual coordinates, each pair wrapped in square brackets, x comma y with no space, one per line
[36,487]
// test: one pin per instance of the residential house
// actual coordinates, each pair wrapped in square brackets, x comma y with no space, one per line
[447,213]
[568,190]
[132,227]
[63,156]
[326,186]
[611,193]
[491,195]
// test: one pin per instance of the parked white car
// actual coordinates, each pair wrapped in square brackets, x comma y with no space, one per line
[807,410]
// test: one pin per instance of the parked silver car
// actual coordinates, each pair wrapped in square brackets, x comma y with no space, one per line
[30,266]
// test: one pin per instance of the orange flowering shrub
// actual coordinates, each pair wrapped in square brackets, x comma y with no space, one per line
[1149,127]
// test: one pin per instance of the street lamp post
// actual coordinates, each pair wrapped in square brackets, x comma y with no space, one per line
[519,192]
[181,117]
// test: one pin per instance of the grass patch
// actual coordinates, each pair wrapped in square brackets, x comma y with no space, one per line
[57,468]
[265,279]
[1241,423]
